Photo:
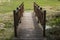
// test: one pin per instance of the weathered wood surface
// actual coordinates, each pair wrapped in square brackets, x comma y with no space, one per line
[41,15]
[29,29]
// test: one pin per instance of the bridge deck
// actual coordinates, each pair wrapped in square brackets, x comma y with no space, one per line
[29,28]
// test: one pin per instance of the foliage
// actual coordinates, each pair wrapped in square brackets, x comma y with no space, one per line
[6,28]
[55,19]
[53,33]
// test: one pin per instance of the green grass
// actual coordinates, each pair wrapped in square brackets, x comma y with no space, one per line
[8,7]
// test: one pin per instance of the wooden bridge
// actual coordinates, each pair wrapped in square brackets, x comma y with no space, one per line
[29,25]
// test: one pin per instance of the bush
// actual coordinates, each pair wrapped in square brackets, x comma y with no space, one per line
[53,33]
[58,0]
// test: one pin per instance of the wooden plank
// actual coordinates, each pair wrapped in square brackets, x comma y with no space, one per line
[29,29]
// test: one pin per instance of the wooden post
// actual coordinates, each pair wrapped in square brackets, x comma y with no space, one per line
[44,24]
[15,31]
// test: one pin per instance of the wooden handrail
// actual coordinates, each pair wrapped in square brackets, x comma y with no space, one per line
[41,15]
[18,14]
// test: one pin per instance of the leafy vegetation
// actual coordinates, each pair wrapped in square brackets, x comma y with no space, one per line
[54,19]
[6,26]
[53,33]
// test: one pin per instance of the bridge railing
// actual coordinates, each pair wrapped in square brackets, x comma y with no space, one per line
[41,15]
[18,14]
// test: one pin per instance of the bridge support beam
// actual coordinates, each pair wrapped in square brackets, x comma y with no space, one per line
[44,24]
[15,23]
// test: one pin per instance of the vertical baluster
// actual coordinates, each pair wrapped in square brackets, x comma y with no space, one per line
[15,23]
[44,24]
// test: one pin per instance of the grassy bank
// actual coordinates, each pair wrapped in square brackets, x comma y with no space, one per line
[6,26]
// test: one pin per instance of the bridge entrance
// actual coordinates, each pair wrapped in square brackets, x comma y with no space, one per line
[29,25]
